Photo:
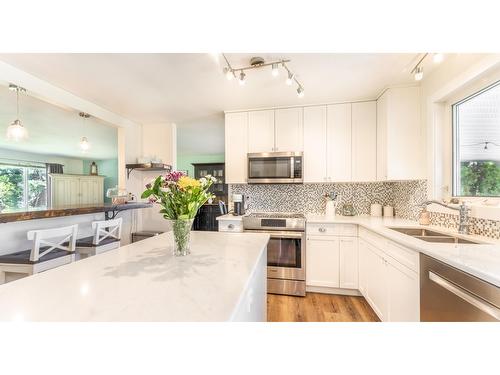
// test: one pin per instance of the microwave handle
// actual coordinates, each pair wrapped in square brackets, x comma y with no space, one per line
[292,167]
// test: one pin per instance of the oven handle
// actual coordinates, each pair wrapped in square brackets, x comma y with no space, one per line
[466,296]
[279,234]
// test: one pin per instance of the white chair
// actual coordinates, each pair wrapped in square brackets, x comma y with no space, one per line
[107,235]
[51,248]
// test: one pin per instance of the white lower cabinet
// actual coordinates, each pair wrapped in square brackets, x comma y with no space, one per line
[322,262]
[332,256]
[391,289]
[348,247]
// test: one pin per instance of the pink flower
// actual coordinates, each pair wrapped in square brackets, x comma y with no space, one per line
[152,200]
[174,176]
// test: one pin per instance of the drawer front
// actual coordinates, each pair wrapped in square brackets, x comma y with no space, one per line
[230,226]
[330,229]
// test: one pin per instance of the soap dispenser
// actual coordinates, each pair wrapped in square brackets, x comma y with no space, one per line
[425,217]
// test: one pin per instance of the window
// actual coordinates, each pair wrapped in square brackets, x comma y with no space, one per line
[476,144]
[22,187]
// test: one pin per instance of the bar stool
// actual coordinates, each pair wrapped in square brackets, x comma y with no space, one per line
[48,251]
[107,235]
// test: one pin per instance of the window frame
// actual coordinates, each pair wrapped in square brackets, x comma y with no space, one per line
[25,200]
[455,141]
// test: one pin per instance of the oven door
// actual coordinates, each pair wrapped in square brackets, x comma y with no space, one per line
[276,167]
[285,256]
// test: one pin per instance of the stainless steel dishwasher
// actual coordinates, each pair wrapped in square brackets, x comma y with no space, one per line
[450,295]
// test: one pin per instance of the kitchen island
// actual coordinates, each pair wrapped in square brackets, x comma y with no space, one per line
[223,279]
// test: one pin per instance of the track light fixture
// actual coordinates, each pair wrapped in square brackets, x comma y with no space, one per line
[418,70]
[259,62]
[274,70]
[419,73]
[242,79]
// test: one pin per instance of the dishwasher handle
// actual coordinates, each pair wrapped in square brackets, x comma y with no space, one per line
[467,296]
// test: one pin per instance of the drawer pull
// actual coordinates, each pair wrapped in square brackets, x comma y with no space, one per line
[322,230]
[230,226]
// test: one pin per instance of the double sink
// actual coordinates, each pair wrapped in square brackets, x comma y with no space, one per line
[432,236]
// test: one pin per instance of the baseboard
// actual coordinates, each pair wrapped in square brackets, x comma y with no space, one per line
[328,290]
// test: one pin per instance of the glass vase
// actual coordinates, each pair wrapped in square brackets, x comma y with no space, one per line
[182,236]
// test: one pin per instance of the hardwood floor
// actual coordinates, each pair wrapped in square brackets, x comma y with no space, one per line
[318,307]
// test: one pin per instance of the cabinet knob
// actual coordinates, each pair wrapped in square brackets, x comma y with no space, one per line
[230,226]
[322,230]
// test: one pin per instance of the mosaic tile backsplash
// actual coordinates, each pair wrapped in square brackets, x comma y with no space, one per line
[406,197]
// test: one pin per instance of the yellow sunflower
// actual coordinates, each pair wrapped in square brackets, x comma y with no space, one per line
[188,182]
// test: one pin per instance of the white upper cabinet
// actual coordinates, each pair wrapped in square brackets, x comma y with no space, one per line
[261,131]
[315,144]
[236,147]
[288,129]
[399,135]
[364,141]
[339,142]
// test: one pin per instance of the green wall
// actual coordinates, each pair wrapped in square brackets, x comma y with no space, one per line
[184,161]
[108,168]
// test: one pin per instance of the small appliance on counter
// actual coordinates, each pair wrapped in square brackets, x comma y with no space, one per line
[239,205]
[376,210]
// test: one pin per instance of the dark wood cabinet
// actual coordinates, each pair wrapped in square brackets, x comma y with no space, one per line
[205,219]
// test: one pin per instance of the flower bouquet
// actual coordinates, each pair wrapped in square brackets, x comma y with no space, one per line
[180,198]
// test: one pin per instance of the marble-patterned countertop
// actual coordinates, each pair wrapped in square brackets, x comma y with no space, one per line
[481,260]
[142,281]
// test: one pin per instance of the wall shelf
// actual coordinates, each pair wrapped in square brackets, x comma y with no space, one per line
[147,167]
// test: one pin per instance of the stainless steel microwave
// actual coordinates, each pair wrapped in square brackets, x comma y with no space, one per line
[275,168]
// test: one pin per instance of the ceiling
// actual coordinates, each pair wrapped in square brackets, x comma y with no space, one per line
[179,87]
[53,130]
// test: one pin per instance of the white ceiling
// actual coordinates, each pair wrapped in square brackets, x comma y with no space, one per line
[152,88]
[53,130]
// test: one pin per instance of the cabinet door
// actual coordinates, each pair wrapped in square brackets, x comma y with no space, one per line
[322,262]
[339,142]
[364,141]
[363,268]
[288,129]
[261,131]
[236,147]
[376,282]
[65,191]
[315,157]
[85,190]
[404,293]
[96,190]
[349,262]
[382,137]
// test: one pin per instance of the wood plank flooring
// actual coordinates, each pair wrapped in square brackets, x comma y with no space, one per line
[318,307]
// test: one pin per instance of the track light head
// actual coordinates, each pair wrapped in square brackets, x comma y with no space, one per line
[289,78]
[419,73]
[242,79]
[300,92]
[228,73]
[274,70]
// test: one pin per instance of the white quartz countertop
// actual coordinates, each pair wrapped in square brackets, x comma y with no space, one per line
[142,281]
[480,260]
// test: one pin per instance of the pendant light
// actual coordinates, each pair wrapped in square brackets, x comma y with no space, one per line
[16,131]
[84,142]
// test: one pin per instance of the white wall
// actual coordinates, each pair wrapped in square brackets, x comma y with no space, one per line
[71,166]
[157,140]
[456,74]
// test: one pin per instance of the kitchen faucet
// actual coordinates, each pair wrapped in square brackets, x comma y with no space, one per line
[463,227]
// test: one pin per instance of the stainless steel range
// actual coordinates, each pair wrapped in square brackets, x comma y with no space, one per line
[286,272]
